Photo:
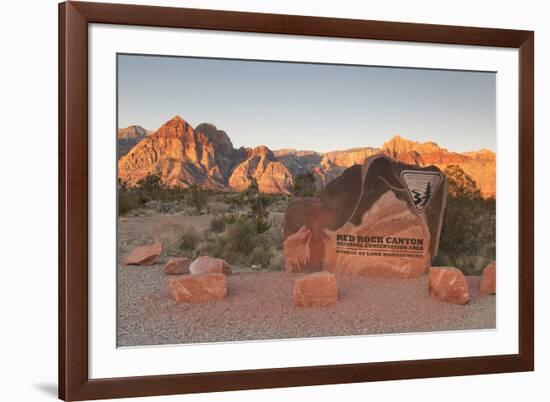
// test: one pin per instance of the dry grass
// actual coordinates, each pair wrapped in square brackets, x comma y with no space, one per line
[176,238]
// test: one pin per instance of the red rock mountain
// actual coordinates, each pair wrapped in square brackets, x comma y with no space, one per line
[324,166]
[480,165]
[184,156]
[128,137]
[427,153]
[259,163]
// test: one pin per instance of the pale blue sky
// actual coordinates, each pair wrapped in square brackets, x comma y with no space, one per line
[320,107]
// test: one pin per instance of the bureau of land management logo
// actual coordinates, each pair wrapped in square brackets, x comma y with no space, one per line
[421,186]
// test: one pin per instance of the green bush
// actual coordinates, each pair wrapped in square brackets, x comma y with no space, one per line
[241,235]
[240,243]
[468,233]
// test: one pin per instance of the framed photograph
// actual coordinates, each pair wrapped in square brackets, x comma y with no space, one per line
[259,200]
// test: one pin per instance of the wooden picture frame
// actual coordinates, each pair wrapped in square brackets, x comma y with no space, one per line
[74,381]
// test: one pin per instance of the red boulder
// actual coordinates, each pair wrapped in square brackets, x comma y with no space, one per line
[209,265]
[315,290]
[448,284]
[144,255]
[489,280]
[177,266]
[198,288]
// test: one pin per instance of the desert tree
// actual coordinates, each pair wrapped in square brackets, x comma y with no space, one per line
[198,198]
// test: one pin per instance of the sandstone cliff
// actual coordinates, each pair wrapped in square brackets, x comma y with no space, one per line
[183,156]
[177,153]
[261,164]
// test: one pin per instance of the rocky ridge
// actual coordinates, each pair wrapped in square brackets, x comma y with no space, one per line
[184,156]
[128,137]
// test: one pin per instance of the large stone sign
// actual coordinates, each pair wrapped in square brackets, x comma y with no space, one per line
[379,219]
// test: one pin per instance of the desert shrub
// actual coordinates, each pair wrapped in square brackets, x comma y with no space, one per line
[262,224]
[126,202]
[239,244]
[304,185]
[276,237]
[130,199]
[176,238]
[217,224]
[198,198]
[147,190]
[468,233]
[230,218]
[150,183]
[241,235]
[188,240]
[235,201]
[217,208]
[261,255]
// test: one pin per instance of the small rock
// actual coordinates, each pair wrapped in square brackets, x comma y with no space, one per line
[209,265]
[177,266]
[198,288]
[315,290]
[144,255]
[448,284]
[489,280]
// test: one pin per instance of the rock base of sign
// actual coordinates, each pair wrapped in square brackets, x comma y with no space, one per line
[177,266]
[315,290]
[198,288]
[209,265]
[448,284]
[380,219]
[143,255]
[489,280]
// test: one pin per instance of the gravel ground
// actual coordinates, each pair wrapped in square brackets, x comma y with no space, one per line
[259,306]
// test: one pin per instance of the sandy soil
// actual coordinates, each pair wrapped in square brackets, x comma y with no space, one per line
[259,304]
